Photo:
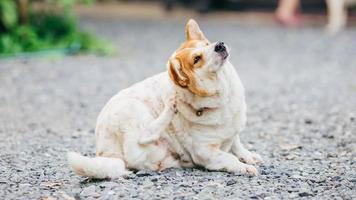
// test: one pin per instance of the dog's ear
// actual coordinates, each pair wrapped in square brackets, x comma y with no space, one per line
[176,73]
[193,32]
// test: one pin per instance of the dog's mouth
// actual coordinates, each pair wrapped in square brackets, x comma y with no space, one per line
[224,55]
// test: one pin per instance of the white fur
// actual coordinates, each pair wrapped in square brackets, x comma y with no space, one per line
[98,167]
[138,127]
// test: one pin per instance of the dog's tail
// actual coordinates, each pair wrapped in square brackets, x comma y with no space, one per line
[97,167]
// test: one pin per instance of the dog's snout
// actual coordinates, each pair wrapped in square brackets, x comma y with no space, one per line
[220,47]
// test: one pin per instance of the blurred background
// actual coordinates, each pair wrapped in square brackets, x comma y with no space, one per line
[52,25]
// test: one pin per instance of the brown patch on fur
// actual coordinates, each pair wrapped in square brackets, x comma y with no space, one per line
[186,60]
[193,32]
[108,155]
[161,141]
[171,128]
[194,39]
[193,44]
[168,158]
[175,78]
[80,171]
[150,105]
[148,102]
[160,166]
[214,146]
[175,155]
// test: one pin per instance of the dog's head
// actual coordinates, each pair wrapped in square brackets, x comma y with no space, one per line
[195,64]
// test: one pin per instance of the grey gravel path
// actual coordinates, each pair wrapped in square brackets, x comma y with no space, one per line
[301,95]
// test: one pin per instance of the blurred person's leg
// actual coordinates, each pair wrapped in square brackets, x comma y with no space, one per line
[337,15]
[287,12]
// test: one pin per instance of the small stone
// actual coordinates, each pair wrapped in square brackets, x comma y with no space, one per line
[65,196]
[89,191]
[51,184]
[130,176]
[308,121]
[331,155]
[286,146]
[48,198]
[305,194]
[295,176]
[336,178]
[108,184]
[24,186]
[328,136]
[290,157]
[178,173]
[144,173]
[231,182]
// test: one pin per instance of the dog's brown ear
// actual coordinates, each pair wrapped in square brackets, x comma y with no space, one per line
[176,74]
[193,32]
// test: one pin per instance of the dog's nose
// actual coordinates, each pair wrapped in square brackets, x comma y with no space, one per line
[220,47]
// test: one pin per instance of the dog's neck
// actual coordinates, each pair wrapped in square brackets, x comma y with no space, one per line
[197,102]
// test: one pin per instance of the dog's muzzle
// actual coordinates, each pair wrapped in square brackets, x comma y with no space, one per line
[220,48]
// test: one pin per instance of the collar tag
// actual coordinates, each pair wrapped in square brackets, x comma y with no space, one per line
[199,112]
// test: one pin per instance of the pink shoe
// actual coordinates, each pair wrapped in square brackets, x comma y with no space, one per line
[289,21]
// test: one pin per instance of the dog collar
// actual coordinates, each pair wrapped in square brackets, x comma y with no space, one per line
[200,111]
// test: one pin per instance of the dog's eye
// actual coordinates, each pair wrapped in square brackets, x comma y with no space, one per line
[197,59]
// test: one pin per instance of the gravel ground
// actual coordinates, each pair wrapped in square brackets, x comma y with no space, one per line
[301,95]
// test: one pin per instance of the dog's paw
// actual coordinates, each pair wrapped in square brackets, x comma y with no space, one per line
[248,170]
[148,137]
[172,103]
[250,158]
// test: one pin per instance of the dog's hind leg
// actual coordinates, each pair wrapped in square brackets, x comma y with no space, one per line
[108,162]
[153,131]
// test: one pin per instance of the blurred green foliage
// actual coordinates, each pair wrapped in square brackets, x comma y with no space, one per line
[8,13]
[43,31]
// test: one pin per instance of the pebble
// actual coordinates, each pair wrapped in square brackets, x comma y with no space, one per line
[89,191]
[144,173]
[305,194]
[231,182]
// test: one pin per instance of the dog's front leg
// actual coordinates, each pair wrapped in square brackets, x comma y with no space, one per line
[243,154]
[212,158]
[156,127]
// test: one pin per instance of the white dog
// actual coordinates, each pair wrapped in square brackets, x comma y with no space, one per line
[189,115]
[337,14]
